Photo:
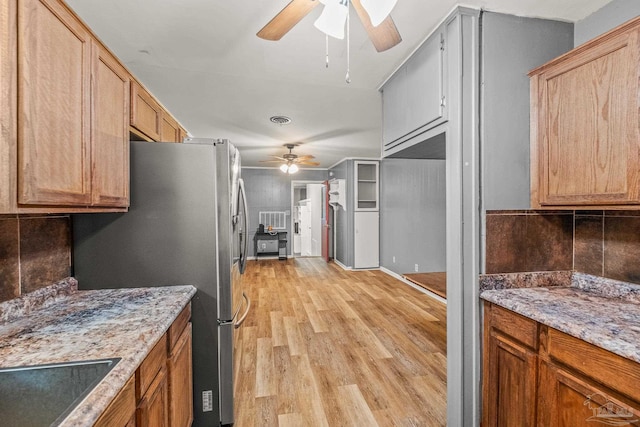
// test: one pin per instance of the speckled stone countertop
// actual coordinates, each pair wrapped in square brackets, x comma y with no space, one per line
[73,325]
[601,311]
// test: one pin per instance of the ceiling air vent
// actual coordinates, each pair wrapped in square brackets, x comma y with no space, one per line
[280,120]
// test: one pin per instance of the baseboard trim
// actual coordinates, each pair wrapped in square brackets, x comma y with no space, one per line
[413,285]
[344,267]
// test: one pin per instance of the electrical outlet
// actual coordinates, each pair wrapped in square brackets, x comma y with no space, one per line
[394,260]
[416,268]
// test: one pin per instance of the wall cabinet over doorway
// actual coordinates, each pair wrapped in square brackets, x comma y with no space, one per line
[414,98]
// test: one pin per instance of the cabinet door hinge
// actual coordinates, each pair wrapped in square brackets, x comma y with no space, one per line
[442,101]
[441,42]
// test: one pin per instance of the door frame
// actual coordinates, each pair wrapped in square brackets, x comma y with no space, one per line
[294,184]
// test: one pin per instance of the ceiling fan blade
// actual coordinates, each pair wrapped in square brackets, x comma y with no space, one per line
[306,157]
[272,161]
[286,19]
[309,163]
[384,36]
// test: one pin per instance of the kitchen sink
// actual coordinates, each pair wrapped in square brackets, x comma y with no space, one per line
[44,395]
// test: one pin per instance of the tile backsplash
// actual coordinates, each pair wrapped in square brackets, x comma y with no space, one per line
[35,251]
[602,243]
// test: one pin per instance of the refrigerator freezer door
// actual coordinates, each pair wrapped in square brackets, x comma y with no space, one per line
[227,177]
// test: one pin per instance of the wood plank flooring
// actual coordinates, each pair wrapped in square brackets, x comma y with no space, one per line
[434,282]
[327,347]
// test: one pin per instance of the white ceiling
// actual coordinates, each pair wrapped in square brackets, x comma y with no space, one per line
[203,61]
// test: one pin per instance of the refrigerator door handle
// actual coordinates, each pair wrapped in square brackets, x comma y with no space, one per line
[245,214]
[246,312]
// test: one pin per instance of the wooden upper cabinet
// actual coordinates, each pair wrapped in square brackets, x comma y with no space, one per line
[72,149]
[146,113]
[54,72]
[110,130]
[8,102]
[169,129]
[585,133]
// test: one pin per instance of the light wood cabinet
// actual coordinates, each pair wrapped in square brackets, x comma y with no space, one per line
[536,375]
[510,367]
[160,394]
[54,75]
[568,399]
[585,135]
[64,147]
[122,409]
[67,109]
[169,129]
[110,130]
[153,409]
[149,120]
[146,113]
[180,381]
[8,105]
[180,370]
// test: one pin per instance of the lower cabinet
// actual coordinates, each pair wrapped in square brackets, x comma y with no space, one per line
[512,384]
[180,381]
[567,400]
[366,252]
[160,394]
[153,409]
[538,376]
[122,409]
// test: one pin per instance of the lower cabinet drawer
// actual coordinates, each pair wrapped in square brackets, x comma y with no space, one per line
[596,363]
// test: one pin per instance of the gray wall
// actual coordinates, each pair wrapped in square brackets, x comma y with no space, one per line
[270,190]
[512,46]
[343,221]
[413,215]
[608,17]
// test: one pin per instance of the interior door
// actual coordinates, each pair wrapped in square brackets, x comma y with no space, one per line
[326,226]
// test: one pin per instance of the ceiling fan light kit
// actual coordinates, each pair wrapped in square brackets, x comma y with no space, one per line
[384,35]
[333,17]
[290,161]
[378,10]
[289,168]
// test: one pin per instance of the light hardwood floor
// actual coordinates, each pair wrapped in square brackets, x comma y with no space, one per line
[327,347]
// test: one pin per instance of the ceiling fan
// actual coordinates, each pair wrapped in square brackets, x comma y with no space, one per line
[291,161]
[373,14]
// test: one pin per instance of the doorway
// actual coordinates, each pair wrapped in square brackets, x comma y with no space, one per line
[309,217]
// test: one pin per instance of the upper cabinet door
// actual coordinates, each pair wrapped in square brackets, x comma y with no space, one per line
[425,83]
[110,130]
[54,54]
[413,100]
[585,131]
[170,129]
[146,113]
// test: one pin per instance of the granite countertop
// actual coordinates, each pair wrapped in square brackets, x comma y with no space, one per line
[600,311]
[62,324]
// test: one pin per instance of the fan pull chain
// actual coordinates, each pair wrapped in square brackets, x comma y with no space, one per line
[326,48]
[347,78]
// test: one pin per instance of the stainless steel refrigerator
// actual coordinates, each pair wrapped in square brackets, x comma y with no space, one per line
[187,224]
